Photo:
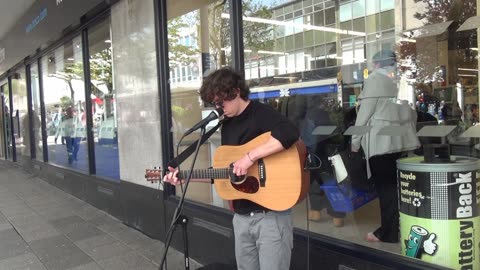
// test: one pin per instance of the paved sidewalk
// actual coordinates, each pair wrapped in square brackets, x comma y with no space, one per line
[42,227]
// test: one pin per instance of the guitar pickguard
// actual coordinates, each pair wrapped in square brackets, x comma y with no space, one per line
[249,185]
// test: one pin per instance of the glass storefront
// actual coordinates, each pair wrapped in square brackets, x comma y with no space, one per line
[64,98]
[4,134]
[103,101]
[21,129]
[199,41]
[310,60]
[36,113]
[135,86]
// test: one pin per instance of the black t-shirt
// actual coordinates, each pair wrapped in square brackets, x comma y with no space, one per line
[256,119]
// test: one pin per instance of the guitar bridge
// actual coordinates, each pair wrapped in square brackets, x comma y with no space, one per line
[262,175]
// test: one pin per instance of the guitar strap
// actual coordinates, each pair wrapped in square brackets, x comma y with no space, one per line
[187,152]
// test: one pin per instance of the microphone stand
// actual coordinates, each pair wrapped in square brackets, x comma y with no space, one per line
[178,218]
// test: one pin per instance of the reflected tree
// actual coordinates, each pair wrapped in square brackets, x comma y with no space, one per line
[420,65]
[180,52]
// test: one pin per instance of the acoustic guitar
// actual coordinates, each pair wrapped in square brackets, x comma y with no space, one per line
[277,182]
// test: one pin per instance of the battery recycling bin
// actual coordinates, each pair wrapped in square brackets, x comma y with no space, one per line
[439,205]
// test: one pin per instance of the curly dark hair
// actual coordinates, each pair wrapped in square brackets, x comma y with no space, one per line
[223,83]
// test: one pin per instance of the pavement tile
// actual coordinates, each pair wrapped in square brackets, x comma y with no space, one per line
[16,210]
[89,266]
[107,251]
[39,233]
[55,247]
[3,219]
[143,241]
[24,261]
[41,204]
[104,220]
[12,244]
[83,231]
[88,212]
[131,260]
[153,251]
[55,212]
[70,261]
[5,226]
[113,227]
[66,224]
[33,220]
[34,266]
[128,235]
[95,241]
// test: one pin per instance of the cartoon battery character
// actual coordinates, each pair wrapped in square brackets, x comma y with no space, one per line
[419,241]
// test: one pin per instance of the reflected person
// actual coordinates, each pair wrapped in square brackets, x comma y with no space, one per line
[378,108]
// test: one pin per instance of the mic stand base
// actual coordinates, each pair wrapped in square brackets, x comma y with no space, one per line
[183,221]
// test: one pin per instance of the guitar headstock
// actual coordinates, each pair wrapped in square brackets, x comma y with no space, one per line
[153,175]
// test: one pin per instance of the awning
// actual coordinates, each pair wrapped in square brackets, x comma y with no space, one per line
[429,30]
[470,23]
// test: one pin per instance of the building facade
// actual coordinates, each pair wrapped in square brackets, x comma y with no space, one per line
[96,92]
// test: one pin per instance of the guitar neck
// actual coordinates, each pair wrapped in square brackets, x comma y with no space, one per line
[213,173]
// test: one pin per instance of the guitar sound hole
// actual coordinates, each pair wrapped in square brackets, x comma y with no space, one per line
[250,185]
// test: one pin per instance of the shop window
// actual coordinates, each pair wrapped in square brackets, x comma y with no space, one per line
[36,113]
[64,101]
[21,129]
[133,101]
[104,100]
[309,76]
[207,22]
[5,121]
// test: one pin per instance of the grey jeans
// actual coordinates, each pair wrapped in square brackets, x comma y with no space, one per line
[263,241]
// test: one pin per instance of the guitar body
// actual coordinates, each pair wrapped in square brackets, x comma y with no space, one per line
[277,182]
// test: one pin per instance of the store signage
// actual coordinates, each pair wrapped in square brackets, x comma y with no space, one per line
[40,17]
[2,54]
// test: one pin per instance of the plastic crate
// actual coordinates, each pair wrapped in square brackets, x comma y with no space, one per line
[344,198]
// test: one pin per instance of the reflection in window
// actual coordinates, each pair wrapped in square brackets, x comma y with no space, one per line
[104,115]
[345,12]
[358,8]
[64,98]
[21,130]
[36,113]
[6,141]
[207,27]
[387,4]
[373,6]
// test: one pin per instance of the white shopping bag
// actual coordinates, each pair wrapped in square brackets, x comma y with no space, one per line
[339,167]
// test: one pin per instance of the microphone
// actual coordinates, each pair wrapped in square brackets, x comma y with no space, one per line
[212,116]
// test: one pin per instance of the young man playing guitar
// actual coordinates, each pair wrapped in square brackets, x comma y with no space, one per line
[263,238]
